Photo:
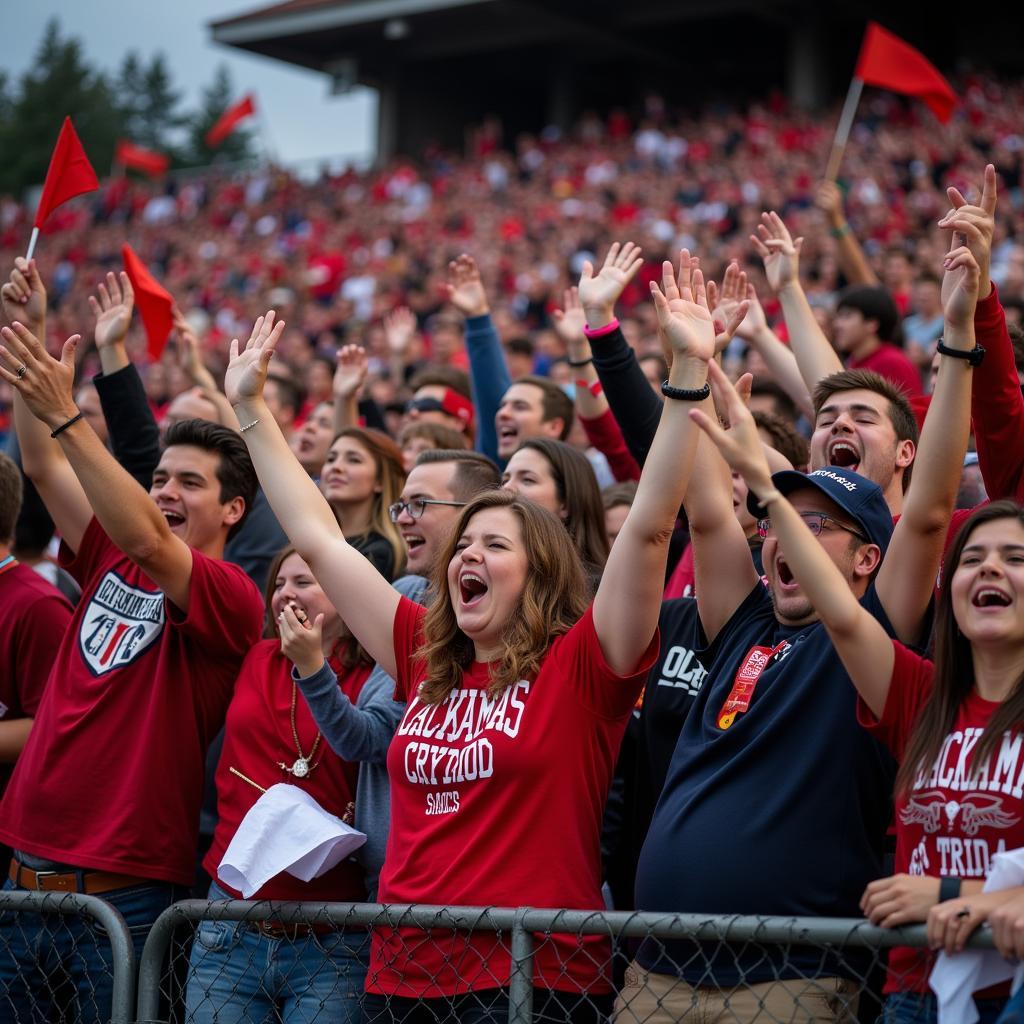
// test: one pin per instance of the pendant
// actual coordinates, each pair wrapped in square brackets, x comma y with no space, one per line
[300,769]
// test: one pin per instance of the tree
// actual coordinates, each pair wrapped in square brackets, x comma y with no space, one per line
[216,98]
[60,83]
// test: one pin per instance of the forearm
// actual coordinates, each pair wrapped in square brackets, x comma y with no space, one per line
[134,435]
[13,737]
[814,354]
[637,409]
[360,733]
[604,434]
[346,412]
[851,259]
[784,368]
[489,377]
[113,357]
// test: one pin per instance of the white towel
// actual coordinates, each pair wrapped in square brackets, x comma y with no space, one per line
[285,830]
[955,979]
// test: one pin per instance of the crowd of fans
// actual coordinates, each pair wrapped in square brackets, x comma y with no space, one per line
[488,381]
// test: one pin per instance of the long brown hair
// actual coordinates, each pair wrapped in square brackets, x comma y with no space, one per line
[577,489]
[390,475]
[348,651]
[553,599]
[954,671]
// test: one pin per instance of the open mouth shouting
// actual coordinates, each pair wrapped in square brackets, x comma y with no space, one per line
[471,589]
[784,575]
[508,436]
[174,519]
[844,454]
[990,597]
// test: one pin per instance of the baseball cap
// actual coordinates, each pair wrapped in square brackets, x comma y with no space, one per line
[860,498]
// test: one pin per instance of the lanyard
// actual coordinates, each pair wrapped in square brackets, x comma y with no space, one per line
[8,563]
[742,692]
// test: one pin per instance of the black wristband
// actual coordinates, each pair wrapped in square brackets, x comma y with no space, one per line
[576,363]
[974,356]
[684,394]
[64,426]
[949,888]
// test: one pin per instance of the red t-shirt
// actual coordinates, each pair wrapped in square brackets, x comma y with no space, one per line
[950,824]
[34,616]
[498,802]
[257,739]
[890,362]
[112,775]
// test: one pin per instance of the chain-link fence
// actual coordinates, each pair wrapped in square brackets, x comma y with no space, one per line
[64,957]
[235,961]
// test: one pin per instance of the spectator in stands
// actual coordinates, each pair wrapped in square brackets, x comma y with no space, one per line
[163,619]
[510,581]
[616,500]
[283,401]
[441,395]
[532,407]
[559,478]
[246,969]
[362,478]
[417,438]
[310,443]
[923,328]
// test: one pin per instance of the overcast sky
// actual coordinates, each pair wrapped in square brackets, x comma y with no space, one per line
[302,121]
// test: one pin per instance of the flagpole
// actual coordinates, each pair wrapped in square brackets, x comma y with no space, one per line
[843,128]
[32,243]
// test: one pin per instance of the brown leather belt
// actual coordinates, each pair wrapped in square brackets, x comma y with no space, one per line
[89,882]
[292,931]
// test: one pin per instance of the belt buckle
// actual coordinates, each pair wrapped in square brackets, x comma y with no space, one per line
[45,874]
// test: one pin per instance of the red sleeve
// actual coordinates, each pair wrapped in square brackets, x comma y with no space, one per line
[95,548]
[408,634]
[605,434]
[599,688]
[997,407]
[225,610]
[909,688]
[38,630]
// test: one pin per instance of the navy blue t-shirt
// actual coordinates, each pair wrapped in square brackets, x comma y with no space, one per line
[783,813]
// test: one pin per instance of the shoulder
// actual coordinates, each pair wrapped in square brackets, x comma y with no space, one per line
[29,589]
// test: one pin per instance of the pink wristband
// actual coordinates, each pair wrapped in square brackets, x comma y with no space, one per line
[595,389]
[600,332]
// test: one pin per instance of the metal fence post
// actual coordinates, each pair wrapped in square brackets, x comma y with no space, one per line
[520,986]
[151,965]
[122,983]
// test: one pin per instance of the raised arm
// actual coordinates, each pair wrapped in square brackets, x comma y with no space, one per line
[363,598]
[850,256]
[781,254]
[488,371]
[43,462]
[905,580]
[128,515]
[629,597]
[349,378]
[859,639]
[190,358]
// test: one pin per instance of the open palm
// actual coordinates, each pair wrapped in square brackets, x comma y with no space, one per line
[113,310]
[247,370]
[682,306]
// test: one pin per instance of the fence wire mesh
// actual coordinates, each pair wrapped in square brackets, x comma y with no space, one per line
[235,962]
[65,958]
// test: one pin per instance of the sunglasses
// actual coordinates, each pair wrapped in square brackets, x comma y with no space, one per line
[424,405]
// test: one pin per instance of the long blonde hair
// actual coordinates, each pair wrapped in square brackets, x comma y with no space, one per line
[551,603]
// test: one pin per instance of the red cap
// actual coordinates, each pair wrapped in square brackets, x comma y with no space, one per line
[457,405]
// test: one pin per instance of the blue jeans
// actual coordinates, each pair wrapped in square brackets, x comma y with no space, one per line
[1013,1012]
[239,976]
[58,966]
[919,1008]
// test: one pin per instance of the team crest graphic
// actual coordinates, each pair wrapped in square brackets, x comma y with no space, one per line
[119,624]
[934,811]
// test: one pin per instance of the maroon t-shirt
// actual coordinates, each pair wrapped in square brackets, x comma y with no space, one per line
[889,362]
[34,616]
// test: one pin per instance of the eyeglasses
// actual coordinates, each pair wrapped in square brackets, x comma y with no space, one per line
[424,405]
[417,506]
[815,523]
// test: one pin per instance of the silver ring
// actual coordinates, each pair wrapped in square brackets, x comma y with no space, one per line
[21,371]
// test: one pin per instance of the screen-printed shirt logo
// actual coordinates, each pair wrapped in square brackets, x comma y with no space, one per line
[120,623]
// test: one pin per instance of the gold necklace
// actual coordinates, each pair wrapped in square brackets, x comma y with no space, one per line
[301,766]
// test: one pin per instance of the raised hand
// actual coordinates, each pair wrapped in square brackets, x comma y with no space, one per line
[684,320]
[976,225]
[570,321]
[599,292]
[829,199]
[399,330]
[729,305]
[465,287]
[350,374]
[960,284]
[23,295]
[739,442]
[46,384]
[113,310]
[247,371]
[190,354]
[776,246]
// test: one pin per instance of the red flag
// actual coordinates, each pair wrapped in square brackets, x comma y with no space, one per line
[153,300]
[229,119]
[887,61]
[69,174]
[148,161]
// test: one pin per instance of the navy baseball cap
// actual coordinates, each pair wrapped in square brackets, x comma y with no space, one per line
[860,498]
